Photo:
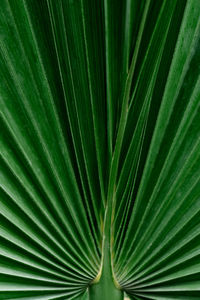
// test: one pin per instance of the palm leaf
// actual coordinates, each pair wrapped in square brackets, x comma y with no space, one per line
[100,149]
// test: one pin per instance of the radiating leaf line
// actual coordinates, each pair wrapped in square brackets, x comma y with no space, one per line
[99,149]
[164,119]
[193,211]
[79,201]
[97,145]
[32,194]
[53,22]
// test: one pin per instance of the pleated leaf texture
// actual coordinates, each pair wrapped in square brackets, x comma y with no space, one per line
[100,149]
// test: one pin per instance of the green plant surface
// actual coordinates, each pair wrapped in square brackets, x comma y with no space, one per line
[100,149]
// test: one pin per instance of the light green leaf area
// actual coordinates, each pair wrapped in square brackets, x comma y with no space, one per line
[100,149]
